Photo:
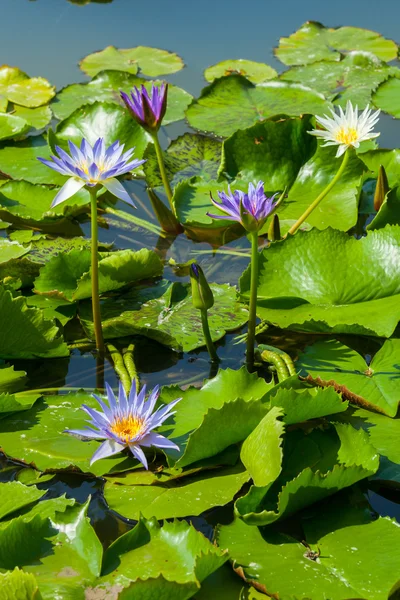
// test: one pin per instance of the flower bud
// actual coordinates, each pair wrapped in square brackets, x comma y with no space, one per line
[202,296]
[382,188]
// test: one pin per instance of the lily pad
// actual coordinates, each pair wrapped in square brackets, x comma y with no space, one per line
[17,584]
[187,156]
[106,120]
[189,496]
[17,87]
[12,126]
[25,332]
[38,117]
[386,97]
[11,380]
[105,88]
[325,281]
[389,212]
[150,61]
[272,151]
[15,495]
[255,72]
[68,276]
[354,78]
[373,385]
[232,100]
[165,313]
[314,42]
[20,161]
[11,250]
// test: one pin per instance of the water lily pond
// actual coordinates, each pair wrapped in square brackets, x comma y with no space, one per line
[199,339]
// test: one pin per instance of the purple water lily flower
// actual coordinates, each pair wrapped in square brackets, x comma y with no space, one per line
[127,422]
[251,209]
[147,109]
[91,166]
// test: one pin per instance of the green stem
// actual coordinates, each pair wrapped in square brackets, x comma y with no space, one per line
[120,367]
[128,356]
[322,195]
[161,165]
[206,330]
[253,299]
[95,272]
[278,362]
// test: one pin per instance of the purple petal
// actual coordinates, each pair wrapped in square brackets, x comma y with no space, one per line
[157,440]
[122,399]
[139,454]
[71,187]
[54,166]
[118,190]
[87,433]
[107,448]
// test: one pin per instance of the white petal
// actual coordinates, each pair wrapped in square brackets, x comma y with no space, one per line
[107,448]
[341,150]
[117,189]
[70,188]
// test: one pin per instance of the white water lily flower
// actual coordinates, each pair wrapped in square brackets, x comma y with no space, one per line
[347,128]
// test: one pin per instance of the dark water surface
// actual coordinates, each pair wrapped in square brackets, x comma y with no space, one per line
[48,38]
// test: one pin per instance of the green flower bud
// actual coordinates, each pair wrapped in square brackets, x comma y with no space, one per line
[202,295]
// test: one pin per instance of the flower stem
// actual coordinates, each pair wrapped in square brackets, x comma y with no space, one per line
[163,171]
[129,360]
[322,195]
[95,272]
[206,330]
[120,367]
[253,299]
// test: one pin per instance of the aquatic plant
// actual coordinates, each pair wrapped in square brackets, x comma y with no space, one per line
[203,299]
[93,167]
[127,422]
[252,210]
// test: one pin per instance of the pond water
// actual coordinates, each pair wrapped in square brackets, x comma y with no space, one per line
[48,38]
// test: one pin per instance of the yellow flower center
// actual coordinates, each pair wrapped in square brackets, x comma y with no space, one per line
[127,427]
[347,135]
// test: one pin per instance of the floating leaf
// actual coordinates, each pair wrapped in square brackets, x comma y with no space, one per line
[68,276]
[26,333]
[189,496]
[272,151]
[17,584]
[165,313]
[187,156]
[386,97]
[11,380]
[17,87]
[20,161]
[11,250]
[12,126]
[373,385]
[255,72]
[232,100]
[105,88]
[151,61]
[314,42]
[326,281]
[15,495]
[36,117]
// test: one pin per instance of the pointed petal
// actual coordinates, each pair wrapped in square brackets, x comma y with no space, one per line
[157,440]
[151,401]
[139,454]
[107,448]
[117,189]
[70,188]
[87,433]
[111,397]
[122,399]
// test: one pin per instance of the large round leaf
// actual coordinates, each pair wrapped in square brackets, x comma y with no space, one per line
[17,87]
[36,117]
[105,87]
[232,102]
[314,42]
[20,161]
[326,281]
[387,96]
[12,126]
[254,71]
[150,61]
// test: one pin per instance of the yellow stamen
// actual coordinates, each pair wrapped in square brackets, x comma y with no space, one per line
[127,427]
[347,135]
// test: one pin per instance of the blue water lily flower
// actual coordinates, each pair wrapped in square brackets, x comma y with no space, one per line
[251,209]
[91,166]
[127,422]
[147,109]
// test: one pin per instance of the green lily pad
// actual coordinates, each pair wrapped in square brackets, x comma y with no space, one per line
[337,461]
[339,292]
[150,61]
[68,276]
[189,496]
[12,126]
[187,156]
[20,161]
[17,584]
[354,78]
[106,120]
[17,87]
[38,117]
[234,100]
[11,250]
[15,495]
[386,97]
[141,554]
[314,42]
[350,564]
[389,159]
[255,72]
[339,207]
[105,88]
[10,403]
[11,380]
[373,385]
[165,313]
[389,212]
[272,151]
[26,333]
